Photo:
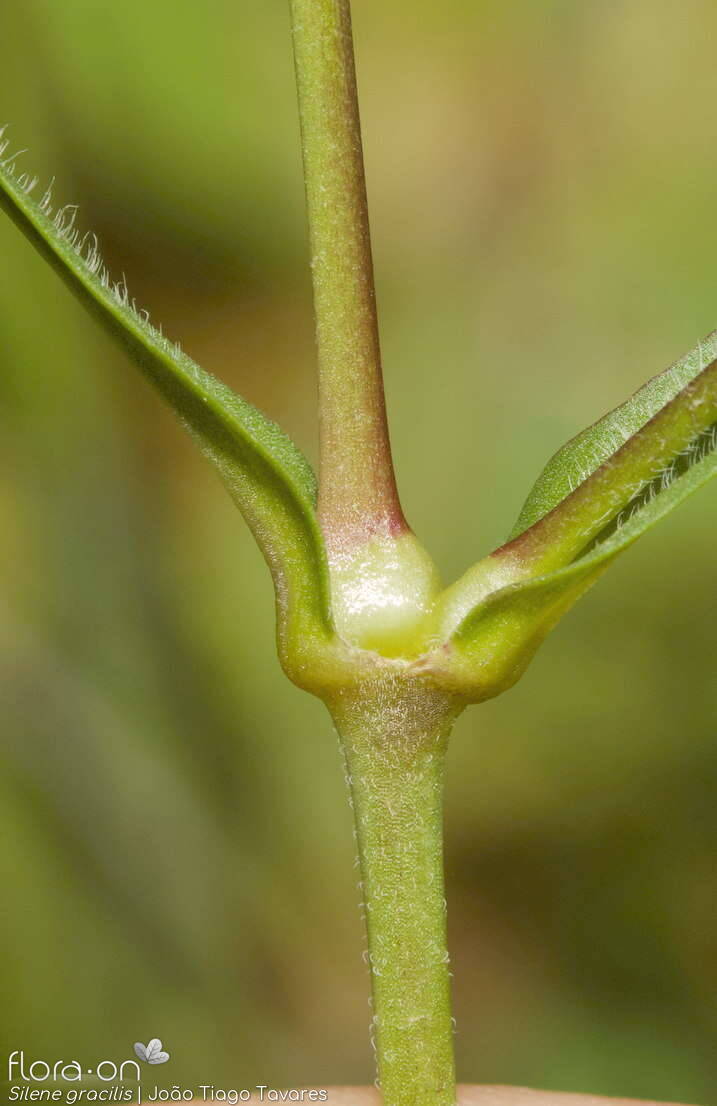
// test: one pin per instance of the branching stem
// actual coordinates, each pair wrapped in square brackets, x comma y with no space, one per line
[394,730]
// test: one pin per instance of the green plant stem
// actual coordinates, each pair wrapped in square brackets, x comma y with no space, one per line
[394,739]
[357,496]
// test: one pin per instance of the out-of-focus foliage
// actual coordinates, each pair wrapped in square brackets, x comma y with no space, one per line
[175,845]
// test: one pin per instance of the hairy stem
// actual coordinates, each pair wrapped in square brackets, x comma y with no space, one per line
[394,740]
[357,496]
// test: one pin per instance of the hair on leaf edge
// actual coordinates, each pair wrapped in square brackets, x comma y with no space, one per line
[68,239]
[266,474]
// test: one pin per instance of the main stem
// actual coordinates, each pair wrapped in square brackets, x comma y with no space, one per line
[395,740]
[358,496]
[394,729]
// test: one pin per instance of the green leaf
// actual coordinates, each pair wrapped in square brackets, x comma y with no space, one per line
[666,435]
[266,474]
[666,449]
[584,453]
[498,638]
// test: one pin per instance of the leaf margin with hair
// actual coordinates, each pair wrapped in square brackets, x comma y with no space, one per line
[498,613]
[266,474]
[579,457]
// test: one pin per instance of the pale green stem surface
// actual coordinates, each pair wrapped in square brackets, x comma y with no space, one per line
[394,730]
[357,489]
[394,736]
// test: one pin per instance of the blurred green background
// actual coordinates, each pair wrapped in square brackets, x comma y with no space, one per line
[175,843]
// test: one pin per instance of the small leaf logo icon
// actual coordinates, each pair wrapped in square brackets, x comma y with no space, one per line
[151,1053]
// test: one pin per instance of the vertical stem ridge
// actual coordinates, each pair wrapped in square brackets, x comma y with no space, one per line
[358,495]
[395,748]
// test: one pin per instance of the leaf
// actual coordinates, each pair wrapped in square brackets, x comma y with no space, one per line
[584,453]
[502,609]
[267,476]
[677,439]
